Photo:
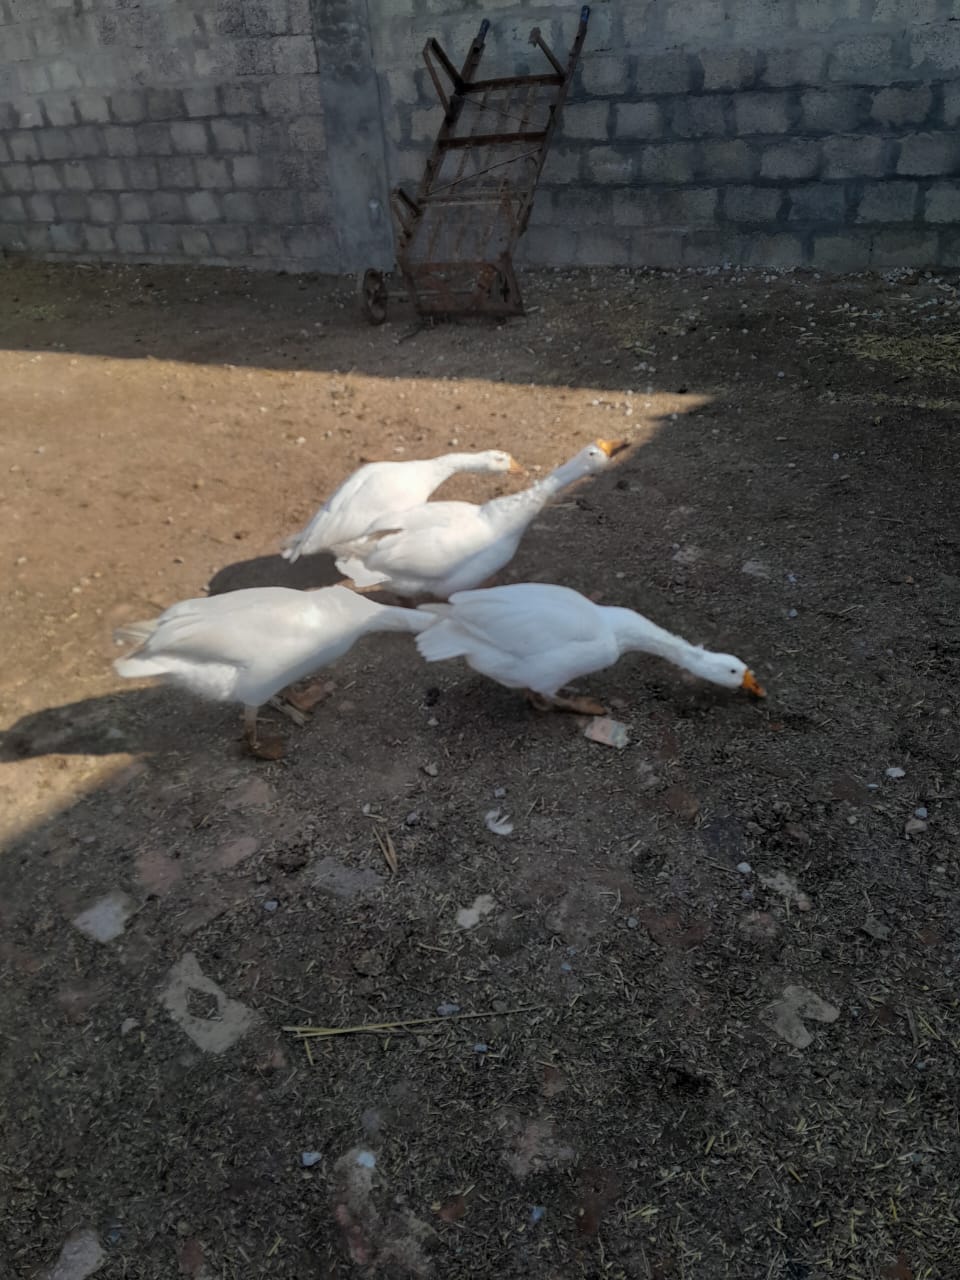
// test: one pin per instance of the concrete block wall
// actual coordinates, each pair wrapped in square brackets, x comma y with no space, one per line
[185,131]
[266,132]
[702,132]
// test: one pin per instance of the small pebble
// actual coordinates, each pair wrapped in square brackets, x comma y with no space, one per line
[632,922]
[744,868]
[537,1214]
[412,819]
[896,772]
[430,770]
[367,1160]
[920,811]
[480,1047]
[792,613]
[309,1158]
[446,1010]
[499,793]
[271,904]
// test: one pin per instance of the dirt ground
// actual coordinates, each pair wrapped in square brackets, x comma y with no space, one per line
[702,1021]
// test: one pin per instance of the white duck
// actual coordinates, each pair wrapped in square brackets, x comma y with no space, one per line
[539,638]
[245,646]
[382,488]
[442,547]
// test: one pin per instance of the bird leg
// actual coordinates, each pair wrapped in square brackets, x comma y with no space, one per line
[579,706]
[262,748]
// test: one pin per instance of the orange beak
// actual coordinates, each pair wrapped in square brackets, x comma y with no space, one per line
[752,685]
[611,447]
[515,468]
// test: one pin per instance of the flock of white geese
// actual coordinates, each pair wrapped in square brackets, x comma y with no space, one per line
[248,646]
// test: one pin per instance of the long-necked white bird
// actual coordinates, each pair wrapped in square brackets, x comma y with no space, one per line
[442,547]
[538,637]
[245,646]
[383,488]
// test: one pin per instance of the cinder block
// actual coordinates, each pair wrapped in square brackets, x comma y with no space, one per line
[24,144]
[656,248]
[41,207]
[942,203]
[107,174]
[599,248]
[265,17]
[252,57]
[134,207]
[71,206]
[937,49]
[762,112]
[425,122]
[247,171]
[240,206]
[866,59]
[293,55]
[951,104]
[18,177]
[281,96]
[177,171]
[315,205]
[213,175]
[201,101]
[949,255]
[819,202]
[606,166]
[60,110]
[781,252]
[929,153]
[785,67]
[752,204]
[189,137]
[66,237]
[729,68]
[91,108]
[98,239]
[142,175]
[841,252]
[203,206]
[37,238]
[696,117]
[637,120]
[128,106]
[668,162]
[54,144]
[563,165]
[548,247]
[228,242]
[730,161]
[195,242]
[667,207]
[118,140]
[77,176]
[899,106]
[798,158]
[715,248]
[63,74]
[833,110]
[154,140]
[46,178]
[265,243]
[853,157]
[308,134]
[103,208]
[664,73]
[240,99]
[311,245]
[605,75]
[693,21]
[166,206]
[916,248]
[163,239]
[12,209]
[300,18]
[28,114]
[228,136]
[164,104]
[904,12]
[888,202]
[130,240]
[278,207]
[584,120]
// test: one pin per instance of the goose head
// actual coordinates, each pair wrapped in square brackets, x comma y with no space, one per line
[723,669]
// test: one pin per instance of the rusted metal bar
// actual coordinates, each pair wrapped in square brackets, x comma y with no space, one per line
[537,39]
[507,82]
[492,139]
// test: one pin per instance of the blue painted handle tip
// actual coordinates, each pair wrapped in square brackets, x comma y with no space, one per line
[584,15]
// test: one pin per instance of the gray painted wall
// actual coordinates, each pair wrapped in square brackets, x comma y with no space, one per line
[266,132]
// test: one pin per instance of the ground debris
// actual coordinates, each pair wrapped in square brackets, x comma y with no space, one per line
[81,1256]
[786,1015]
[784,884]
[609,733]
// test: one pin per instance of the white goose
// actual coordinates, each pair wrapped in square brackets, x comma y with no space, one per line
[383,488]
[442,547]
[245,646]
[538,637]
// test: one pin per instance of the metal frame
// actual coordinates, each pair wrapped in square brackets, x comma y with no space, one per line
[456,236]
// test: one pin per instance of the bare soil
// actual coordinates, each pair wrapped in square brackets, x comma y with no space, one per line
[633,1097]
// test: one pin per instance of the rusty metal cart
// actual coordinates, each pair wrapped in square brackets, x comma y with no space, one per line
[456,236]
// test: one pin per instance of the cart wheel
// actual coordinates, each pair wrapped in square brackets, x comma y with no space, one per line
[373,296]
